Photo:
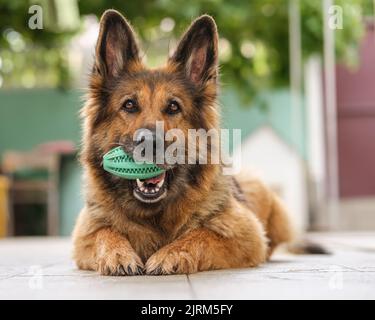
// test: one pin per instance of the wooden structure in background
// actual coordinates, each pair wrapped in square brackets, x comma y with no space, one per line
[4,214]
[33,191]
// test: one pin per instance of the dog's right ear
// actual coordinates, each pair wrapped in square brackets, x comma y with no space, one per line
[116,46]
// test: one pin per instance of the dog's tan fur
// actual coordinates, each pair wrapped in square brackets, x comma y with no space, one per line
[208,220]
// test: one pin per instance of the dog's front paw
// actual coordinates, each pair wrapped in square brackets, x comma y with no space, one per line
[119,263]
[171,261]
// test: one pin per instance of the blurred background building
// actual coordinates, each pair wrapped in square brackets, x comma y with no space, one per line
[297,79]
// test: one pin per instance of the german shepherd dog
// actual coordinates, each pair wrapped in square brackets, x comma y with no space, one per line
[196,218]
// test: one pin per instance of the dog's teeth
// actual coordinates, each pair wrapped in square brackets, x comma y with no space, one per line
[148,189]
[160,183]
[139,183]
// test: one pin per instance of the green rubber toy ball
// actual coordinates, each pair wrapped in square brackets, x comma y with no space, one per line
[120,164]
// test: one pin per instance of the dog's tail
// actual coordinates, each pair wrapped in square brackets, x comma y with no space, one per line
[271,211]
[305,246]
[282,230]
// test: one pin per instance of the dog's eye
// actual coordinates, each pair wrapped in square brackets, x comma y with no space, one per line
[130,106]
[173,107]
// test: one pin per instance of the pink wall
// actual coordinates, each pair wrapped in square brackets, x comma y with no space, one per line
[356,122]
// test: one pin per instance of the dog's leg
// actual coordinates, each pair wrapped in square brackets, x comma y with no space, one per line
[279,229]
[228,241]
[105,251]
[270,211]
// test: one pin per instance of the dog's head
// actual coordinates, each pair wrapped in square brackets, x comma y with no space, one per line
[126,100]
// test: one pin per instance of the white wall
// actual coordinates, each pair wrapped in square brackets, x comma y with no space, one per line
[316,154]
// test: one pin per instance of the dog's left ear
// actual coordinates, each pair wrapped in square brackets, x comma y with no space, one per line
[197,53]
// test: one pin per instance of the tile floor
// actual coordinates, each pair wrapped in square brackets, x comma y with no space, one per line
[41,268]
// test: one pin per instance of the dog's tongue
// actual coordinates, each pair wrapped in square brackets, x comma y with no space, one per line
[156,179]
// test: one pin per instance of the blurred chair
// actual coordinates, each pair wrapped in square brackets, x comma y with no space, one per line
[4,214]
[34,179]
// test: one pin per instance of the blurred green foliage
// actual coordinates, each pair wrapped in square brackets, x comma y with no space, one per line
[31,58]
[254,37]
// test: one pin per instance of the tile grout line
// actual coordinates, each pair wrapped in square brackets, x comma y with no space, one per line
[25,274]
[192,291]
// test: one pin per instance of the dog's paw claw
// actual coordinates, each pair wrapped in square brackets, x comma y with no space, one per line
[116,264]
[166,262]
[140,270]
[155,272]
[121,270]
